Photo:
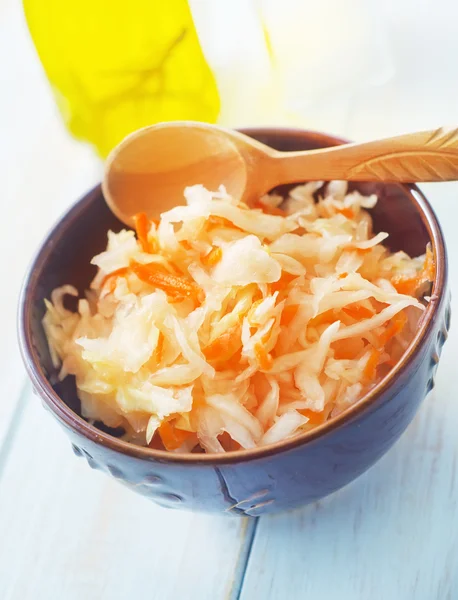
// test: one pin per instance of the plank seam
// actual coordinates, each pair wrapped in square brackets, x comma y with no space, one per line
[243,559]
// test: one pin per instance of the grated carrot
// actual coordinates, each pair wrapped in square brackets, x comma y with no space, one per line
[212,258]
[346,211]
[282,283]
[327,317]
[214,222]
[263,357]
[395,327]
[156,357]
[348,349]
[142,227]
[159,350]
[114,274]
[225,346]
[409,285]
[236,360]
[314,418]
[288,314]
[370,370]
[171,436]
[176,286]
[405,285]
[358,311]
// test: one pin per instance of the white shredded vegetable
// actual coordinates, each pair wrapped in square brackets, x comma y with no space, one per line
[224,327]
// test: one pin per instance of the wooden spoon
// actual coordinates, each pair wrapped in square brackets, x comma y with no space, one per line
[148,171]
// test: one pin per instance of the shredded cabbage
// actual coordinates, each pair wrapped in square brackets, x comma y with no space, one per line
[224,327]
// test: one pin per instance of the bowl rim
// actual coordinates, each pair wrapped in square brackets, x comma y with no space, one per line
[75,422]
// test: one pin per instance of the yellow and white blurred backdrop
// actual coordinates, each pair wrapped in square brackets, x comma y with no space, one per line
[358,68]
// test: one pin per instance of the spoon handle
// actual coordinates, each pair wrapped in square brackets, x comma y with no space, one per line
[423,156]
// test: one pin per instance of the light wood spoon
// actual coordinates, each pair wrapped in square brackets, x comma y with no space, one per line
[148,171]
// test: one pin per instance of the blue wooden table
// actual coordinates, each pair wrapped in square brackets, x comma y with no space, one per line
[69,533]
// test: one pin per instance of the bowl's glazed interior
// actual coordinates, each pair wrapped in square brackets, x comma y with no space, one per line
[65,259]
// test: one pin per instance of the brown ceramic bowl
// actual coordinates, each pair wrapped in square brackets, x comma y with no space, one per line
[268,479]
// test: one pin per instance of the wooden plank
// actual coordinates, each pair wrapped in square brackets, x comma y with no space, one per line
[69,532]
[44,171]
[392,533]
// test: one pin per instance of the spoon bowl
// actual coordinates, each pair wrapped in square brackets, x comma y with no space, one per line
[150,169]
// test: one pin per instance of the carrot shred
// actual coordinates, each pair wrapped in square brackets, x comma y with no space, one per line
[395,327]
[409,285]
[282,283]
[288,314]
[156,357]
[159,350]
[348,349]
[186,245]
[346,211]
[327,317]
[224,346]
[171,436]
[314,418]
[370,370]
[114,274]
[213,257]
[235,360]
[215,222]
[405,285]
[176,286]
[358,311]
[264,359]
[142,227]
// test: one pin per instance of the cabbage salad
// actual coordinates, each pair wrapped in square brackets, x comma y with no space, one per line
[223,327]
